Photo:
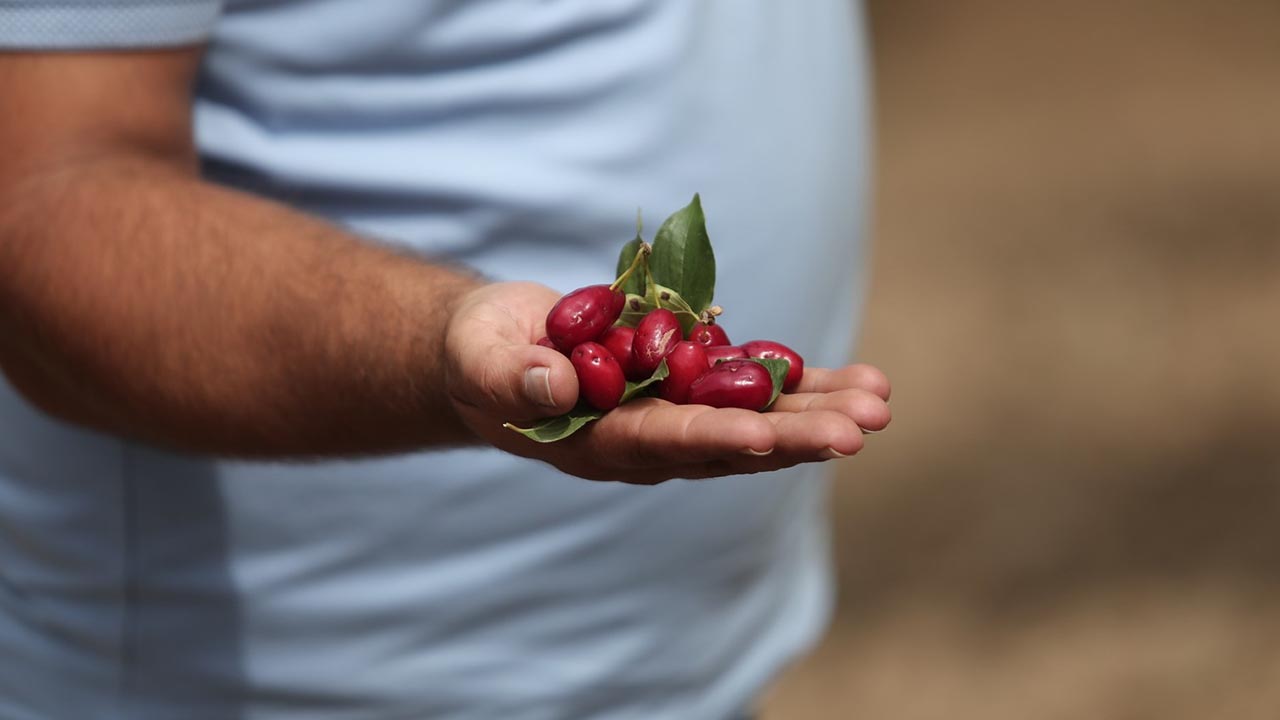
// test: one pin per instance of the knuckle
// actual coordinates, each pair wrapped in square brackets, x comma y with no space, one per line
[637,446]
[492,387]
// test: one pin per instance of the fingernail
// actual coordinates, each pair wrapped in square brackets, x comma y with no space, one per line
[868,432]
[831,454]
[537,386]
[757,453]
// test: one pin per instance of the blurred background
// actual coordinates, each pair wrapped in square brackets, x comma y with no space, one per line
[1076,291]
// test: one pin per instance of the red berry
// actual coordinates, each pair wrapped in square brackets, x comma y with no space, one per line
[769,349]
[600,380]
[708,335]
[545,341]
[582,315]
[686,363]
[656,334]
[618,340]
[725,352]
[733,384]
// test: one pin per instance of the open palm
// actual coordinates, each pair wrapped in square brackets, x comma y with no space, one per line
[497,374]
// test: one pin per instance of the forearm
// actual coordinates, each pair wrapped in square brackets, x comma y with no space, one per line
[136,299]
[142,301]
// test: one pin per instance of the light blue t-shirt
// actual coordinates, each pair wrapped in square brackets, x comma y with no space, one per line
[517,137]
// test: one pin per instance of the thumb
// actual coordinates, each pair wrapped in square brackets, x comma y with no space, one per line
[518,382]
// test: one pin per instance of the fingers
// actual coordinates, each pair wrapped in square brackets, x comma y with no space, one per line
[494,365]
[649,441]
[652,441]
[822,422]
[497,374]
[657,441]
[868,410]
[859,376]
[520,381]
[822,434]
[651,433]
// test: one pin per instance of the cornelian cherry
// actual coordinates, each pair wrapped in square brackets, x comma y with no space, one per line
[725,352]
[582,315]
[733,384]
[768,349]
[686,362]
[656,334]
[600,380]
[618,340]
[708,335]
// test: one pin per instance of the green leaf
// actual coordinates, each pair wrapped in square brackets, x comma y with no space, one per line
[778,368]
[675,302]
[634,388]
[561,427]
[636,307]
[682,258]
[672,300]
[634,283]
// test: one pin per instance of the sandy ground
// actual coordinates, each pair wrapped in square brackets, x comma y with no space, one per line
[1077,295]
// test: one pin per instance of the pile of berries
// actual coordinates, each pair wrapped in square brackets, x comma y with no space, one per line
[703,367]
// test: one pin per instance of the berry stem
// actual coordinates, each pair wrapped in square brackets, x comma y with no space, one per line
[642,258]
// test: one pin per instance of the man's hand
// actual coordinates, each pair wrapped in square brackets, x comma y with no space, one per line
[497,374]
[137,299]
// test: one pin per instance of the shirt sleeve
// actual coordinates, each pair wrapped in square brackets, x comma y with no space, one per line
[104,24]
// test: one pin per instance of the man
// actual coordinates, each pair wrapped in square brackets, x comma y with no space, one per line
[215,225]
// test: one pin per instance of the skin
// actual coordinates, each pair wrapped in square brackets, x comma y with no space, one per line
[139,300]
